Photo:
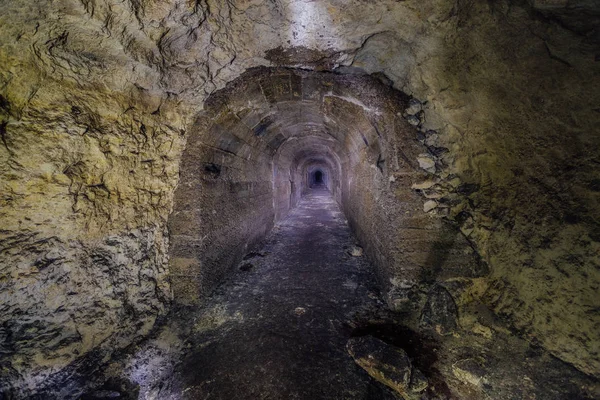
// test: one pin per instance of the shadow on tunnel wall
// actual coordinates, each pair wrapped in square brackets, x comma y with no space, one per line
[451,256]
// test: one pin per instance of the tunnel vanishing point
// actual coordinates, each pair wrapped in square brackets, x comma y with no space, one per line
[299,199]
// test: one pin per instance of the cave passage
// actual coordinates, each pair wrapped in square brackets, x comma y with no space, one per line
[278,329]
[299,199]
[318,179]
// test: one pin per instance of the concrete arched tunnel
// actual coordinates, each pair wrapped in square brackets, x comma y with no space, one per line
[289,149]
[252,156]
[299,199]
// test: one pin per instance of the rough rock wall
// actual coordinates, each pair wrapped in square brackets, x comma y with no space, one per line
[511,122]
[89,156]
[513,98]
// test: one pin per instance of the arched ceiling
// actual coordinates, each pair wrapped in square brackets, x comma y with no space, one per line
[297,115]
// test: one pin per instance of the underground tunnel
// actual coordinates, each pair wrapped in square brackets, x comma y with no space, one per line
[299,199]
[316,178]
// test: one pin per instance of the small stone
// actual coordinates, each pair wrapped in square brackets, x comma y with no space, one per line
[432,139]
[300,311]
[429,205]
[413,120]
[356,251]
[455,182]
[426,162]
[482,330]
[467,231]
[440,313]
[418,381]
[414,106]
[423,185]
[442,211]
[431,194]
[469,371]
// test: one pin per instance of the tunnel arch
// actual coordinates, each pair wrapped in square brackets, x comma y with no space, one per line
[294,155]
[246,165]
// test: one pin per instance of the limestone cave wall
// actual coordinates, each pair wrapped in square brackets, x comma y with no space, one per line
[88,161]
[515,102]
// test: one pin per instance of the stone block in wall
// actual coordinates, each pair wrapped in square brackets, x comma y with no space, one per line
[184,280]
[312,88]
[185,222]
[277,88]
[296,87]
[440,313]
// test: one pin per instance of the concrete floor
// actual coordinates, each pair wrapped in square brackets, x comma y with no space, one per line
[278,329]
